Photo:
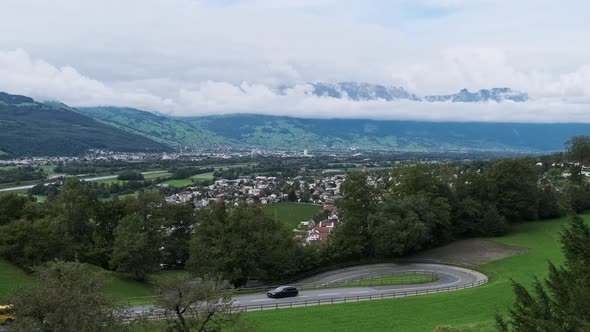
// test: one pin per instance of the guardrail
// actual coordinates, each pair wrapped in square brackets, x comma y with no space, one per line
[367,281]
[332,267]
[157,314]
[349,283]
[358,298]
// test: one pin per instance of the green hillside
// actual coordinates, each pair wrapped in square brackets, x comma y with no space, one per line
[467,310]
[408,136]
[163,129]
[276,132]
[31,128]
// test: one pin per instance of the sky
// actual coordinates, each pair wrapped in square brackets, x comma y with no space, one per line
[191,57]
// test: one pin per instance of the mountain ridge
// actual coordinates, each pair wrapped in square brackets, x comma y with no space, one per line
[361,91]
[28,127]
[292,133]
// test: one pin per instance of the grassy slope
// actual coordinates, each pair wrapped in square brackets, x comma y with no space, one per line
[399,279]
[118,285]
[11,277]
[291,213]
[471,307]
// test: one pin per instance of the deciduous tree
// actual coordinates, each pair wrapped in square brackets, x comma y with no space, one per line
[65,297]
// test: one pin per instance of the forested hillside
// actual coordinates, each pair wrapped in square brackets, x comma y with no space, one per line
[276,132]
[31,128]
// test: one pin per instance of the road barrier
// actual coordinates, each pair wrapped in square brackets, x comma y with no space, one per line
[160,315]
[358,298]
[368,281]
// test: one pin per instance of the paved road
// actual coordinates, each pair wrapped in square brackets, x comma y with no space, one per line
[98,178]
[448,276]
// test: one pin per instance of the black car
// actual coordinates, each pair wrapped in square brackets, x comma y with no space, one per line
[283,291]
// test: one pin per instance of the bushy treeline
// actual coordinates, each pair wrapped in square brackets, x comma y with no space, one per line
[423,206]
[142,234]
[130,176]
[19,174]
[385,215]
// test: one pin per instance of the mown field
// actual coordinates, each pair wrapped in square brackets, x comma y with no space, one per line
[291,213]
[467,310]
[190,180]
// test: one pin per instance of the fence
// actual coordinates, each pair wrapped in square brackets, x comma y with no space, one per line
[160,315]
[372,261]
[364,281]
[348,299]
[405,277]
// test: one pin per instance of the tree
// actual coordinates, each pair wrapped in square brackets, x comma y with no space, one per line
[239,243]
[351,238]
[178,220]
[29,243]
[12,207]
[560,303]
[415,179]
[65,297]
[578,149]
[475,218]
[135,249]
[548,203]
[292,196]
[395,233]
[196,304]
[516,183]
[130,176]
[76,206]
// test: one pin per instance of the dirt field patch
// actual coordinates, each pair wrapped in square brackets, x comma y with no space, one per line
[471,251]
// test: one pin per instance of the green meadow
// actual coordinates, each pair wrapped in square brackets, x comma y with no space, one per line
[465,310]
[291,213]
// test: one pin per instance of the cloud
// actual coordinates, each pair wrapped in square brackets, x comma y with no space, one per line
[20,73]
[190,57]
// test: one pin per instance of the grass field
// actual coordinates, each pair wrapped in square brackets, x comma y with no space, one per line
[49,169]
[156,175]
[399,279]
[469,310]
[120,286]
[291,213]
[11,277]
[189,181]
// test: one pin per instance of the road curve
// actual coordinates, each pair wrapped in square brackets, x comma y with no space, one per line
[450,278]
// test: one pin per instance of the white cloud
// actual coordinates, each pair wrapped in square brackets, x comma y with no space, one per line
[204,57]
[19,73]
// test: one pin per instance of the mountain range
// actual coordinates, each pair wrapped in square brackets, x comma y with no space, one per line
[28,127]
[359,91]
[288,133]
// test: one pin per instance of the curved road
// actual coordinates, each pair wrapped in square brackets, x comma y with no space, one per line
[448,276]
